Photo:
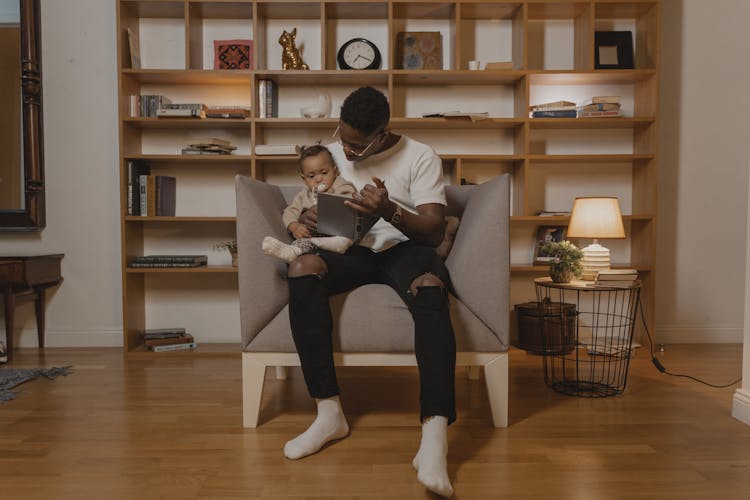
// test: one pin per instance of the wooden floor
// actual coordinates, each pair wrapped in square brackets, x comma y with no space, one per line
[170,427]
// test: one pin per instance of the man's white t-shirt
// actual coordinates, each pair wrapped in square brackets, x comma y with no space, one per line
[412,173]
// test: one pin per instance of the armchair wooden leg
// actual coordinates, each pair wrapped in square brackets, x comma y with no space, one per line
[253,375]
[496,377]
[472,372]
[281,372]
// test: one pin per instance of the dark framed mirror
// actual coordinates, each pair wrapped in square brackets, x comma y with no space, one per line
[21,133]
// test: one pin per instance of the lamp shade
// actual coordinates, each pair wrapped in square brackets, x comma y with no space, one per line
[596,218]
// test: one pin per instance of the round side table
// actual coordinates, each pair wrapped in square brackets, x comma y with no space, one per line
[599,321]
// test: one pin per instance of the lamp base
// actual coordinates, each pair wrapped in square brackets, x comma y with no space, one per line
[595,259]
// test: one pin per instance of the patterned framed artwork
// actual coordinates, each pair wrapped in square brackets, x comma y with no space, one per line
[233,54]
[419,50]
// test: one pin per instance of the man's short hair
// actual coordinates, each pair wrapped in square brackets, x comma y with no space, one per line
[366,110]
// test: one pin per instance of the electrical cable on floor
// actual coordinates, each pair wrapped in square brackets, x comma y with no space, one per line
[661,367]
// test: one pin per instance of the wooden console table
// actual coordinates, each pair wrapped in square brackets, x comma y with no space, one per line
[27,276]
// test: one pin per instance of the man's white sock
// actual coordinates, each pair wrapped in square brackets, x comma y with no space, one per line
[431,460]
[272,246]
[330,424]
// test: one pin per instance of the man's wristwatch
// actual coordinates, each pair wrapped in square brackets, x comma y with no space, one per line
[396,217]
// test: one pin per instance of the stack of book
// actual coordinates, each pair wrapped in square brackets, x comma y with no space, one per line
[236,112]
[556,109]
[153,261]
[618,278]
[184,110]
[147,105]
[553,213]
[150,195]
[168,339]
[601,106]
[268,99]
[212,146]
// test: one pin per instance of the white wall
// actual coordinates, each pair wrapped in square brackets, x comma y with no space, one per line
[79,68]
[705,132]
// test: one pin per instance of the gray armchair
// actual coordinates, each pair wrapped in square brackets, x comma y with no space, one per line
[480,303]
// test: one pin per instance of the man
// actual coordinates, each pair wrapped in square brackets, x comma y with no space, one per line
[401,181]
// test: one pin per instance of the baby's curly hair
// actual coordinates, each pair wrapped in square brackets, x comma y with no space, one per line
[313,150]
[366,110]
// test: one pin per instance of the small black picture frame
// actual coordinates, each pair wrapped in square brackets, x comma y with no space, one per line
[546,234]
[613,50]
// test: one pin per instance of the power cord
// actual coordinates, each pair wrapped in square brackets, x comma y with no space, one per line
[661,367]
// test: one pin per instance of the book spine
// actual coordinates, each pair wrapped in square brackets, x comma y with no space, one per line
[143,195]
[262,111]
[197,259]
[174,347]
[165,195]
[150,195]
[131,168]
[176,329]
[274,100]
[149,265]
[562,113]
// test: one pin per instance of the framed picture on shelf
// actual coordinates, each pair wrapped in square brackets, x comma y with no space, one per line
[547,234]
[233,54]
[134,47]
[419,50]
[613,50]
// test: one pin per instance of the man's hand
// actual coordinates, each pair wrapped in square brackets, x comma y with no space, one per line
[309,218]
[299,230]
[373,200]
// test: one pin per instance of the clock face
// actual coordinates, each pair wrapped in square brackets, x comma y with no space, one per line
[359,53]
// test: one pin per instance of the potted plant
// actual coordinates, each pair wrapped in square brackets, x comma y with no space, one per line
[566,260]
[230,245]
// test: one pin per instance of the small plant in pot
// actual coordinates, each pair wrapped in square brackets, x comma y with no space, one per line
[566,260]
[230,245]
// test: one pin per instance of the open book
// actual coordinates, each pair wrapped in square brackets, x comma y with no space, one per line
[336,219]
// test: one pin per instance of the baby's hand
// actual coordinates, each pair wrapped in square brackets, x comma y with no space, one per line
[299,230]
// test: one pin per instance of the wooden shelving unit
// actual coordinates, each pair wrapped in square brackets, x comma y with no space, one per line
[551,46]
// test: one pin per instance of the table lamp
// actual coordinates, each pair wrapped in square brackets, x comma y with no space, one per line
[595,218]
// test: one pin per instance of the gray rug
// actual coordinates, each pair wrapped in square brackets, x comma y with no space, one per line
[11,377]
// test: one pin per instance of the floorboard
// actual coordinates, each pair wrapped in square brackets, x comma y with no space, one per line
[171,427]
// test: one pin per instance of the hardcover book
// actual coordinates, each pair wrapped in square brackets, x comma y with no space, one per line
[174,347]
[166,189]
[336,219]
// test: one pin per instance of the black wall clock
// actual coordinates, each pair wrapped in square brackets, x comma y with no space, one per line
[359,53]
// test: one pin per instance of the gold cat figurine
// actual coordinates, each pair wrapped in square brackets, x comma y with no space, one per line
[290,58]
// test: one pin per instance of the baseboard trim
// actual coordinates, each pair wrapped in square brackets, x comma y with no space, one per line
[699,334]
[71,337]
[741,406]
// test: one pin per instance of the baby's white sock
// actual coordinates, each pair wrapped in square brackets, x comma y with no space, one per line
[431,460]
[330,424]
[338,244]
[272,246]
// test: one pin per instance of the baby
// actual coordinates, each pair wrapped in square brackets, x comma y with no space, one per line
[320,174]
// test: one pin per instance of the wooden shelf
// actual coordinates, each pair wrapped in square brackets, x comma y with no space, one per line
[182,270]
[141,218]
[542,219]
[488,30]
[590,123]
[244,159]
[530,268]
[593,158]
[183,123]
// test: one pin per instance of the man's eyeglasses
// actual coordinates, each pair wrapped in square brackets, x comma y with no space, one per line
[357,151]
